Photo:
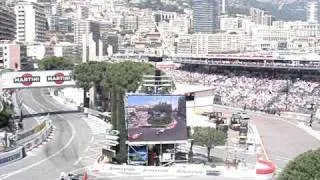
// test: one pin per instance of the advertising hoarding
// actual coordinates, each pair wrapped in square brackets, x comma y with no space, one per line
[156,118]
[11,156]
[30,79]
[138,155]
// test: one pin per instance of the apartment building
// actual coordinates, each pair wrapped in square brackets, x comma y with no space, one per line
[31,22]
[7,23]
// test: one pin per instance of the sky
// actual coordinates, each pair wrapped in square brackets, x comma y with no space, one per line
[151,100]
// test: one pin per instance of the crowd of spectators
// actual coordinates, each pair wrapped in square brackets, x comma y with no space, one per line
[256,92]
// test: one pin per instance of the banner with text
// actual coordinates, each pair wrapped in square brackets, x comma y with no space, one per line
[190,170]
[31,79]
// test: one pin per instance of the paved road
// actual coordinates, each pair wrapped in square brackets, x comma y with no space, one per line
[71,138]
[28,123]
[282,139]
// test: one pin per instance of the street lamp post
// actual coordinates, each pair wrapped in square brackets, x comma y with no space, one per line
[311,115]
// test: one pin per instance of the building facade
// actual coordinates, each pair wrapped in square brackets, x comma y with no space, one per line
[31,22]
[7,23]
[184,44]
[10,55]
[130,23]
[222,42]
[206,16]
[64,50]
[312,11]
[60,24]
[84,27]
[260,17]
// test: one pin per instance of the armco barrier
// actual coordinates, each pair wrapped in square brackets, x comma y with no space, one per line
[30,141]
[11,156]
[30,134]
[38,138]
[35,136]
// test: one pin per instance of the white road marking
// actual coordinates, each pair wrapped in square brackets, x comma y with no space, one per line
[48,158]
[73,132]
[77,162]
[31,111]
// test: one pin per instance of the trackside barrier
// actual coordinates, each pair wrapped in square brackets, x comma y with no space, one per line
[265,169]
[297,116]
[12,156]
[36,139]
[30,134]
[26,141]
[154,170]
[285,114]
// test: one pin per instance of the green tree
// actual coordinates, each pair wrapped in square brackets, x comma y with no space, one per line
[305,166]
[90,75]
[208,137]
[5,116]
[56,63]
[116,80]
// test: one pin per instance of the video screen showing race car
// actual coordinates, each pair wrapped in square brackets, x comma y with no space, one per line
[156,118]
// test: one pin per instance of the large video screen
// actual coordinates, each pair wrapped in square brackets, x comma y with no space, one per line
[156,118]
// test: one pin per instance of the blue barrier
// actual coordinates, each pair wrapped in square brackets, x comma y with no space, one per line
[12,156]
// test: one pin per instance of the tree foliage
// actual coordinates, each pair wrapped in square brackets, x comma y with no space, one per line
[116,79]
[305,166]
[5,116]
[208,137]
[56,63]
[89,74]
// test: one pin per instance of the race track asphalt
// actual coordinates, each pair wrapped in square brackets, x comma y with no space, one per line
[71,137]
[282,139]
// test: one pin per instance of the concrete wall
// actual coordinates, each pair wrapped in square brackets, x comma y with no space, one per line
[204,100]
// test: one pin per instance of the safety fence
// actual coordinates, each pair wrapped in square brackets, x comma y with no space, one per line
[26,141]
[35,136]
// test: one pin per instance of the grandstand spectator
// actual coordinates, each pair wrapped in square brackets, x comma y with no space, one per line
[263,93]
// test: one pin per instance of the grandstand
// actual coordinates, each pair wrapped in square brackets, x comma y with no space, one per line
[270,91]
